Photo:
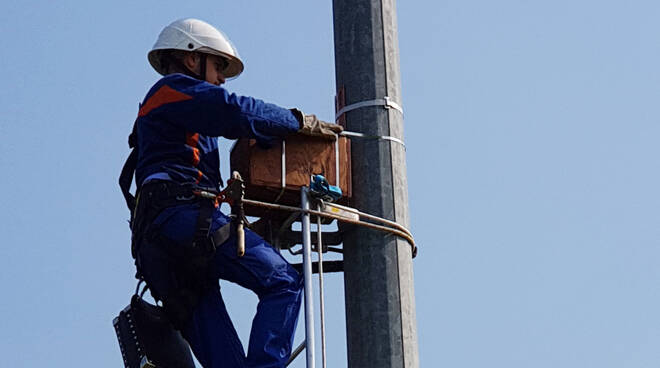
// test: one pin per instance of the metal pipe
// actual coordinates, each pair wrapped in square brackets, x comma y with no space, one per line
[319,250]
[385,221]
[330,215]
[405,235]
[398,230]
[296,352]
[307,272]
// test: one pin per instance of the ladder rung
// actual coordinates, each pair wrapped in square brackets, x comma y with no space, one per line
[328,266]
[295,237]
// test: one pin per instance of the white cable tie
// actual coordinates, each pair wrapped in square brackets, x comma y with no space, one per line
[337,162]
[375,137]
[283,165]
[385,102]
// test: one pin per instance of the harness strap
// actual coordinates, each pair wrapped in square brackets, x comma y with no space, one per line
[221,235]
[203,226]
[127,172]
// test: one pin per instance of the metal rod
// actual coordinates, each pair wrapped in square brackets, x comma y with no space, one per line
[384,221]
[398,228]
[330,215]
[319,250]
[296,352]
[404,234]
[307,272]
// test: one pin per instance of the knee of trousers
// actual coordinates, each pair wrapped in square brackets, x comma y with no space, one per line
[287,281]
[269,272]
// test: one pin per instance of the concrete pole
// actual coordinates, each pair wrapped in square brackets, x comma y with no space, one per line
[378,275]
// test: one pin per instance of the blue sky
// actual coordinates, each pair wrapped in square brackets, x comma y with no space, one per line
[531,131]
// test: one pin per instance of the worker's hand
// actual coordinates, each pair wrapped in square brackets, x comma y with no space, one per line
[312,126]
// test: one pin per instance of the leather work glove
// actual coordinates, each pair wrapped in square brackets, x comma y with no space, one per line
[312,126]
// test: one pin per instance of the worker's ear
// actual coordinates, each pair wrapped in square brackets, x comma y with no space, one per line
[190,61]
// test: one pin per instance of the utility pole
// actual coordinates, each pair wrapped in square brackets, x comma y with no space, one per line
[378,276]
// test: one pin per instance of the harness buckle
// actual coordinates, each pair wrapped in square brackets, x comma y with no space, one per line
[184,198]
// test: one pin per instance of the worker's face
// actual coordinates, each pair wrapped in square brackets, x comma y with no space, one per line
[214,66]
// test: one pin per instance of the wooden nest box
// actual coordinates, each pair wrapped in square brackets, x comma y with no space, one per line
[275,175]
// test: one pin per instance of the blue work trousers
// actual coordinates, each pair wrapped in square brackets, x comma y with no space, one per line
[262,269]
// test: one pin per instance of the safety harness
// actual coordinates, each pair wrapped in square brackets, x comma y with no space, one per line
[189,263]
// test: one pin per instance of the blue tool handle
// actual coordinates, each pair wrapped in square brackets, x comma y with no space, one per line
[320,188]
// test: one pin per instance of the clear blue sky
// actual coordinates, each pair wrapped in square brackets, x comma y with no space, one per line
[532,134]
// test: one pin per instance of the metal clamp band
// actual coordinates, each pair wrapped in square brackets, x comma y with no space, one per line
[375,137]
[385,102]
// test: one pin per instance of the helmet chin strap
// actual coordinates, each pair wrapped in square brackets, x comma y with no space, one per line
[202,67]
[185,70]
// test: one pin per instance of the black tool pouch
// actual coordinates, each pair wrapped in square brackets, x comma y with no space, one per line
[148,339]
[154,197]
[190,275]
[190,265]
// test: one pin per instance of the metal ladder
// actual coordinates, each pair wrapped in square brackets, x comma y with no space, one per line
[309,343]
[339,213]
[329,211]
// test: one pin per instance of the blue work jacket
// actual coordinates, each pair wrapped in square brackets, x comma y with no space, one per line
[180,119]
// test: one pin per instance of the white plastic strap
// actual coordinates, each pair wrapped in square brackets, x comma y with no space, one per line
[385,102]
[337,162]
[375,137]
[283,165]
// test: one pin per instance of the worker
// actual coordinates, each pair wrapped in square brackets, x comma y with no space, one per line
[184,244]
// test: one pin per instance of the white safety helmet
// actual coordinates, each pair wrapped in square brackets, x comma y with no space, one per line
[195,35]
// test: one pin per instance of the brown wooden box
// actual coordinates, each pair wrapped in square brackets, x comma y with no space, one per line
[304,156]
